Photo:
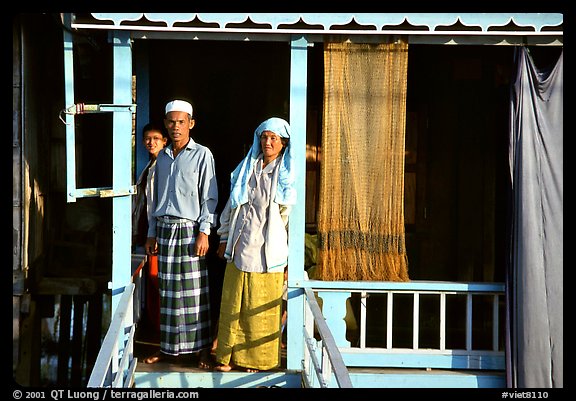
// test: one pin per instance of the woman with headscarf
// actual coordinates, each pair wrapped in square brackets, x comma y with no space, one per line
[254,241]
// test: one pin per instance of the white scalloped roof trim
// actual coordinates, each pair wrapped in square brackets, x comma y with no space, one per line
[432,21]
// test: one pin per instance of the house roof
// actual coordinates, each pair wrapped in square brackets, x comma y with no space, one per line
[444,26]
[333,22]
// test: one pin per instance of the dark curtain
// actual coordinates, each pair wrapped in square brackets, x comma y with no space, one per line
[535,275]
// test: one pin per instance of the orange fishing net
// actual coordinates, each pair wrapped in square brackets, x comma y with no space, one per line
[361,233]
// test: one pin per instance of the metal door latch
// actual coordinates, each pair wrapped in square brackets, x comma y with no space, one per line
[81,108]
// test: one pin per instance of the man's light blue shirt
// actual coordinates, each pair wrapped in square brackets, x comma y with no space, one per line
[185,186]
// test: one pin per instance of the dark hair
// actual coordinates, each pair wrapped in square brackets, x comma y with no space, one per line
[154,127]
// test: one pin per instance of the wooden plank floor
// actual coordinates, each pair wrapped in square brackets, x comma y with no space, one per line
[146,345]
[189,363]
[184,372]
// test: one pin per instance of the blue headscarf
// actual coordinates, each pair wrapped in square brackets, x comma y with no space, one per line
[285,193]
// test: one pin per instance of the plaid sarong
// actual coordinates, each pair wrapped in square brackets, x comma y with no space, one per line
[184,295]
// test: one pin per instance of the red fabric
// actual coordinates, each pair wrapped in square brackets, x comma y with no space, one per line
[153,293]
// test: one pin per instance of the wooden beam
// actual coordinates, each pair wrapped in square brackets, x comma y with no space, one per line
[28,369]
[64,339]
[66,286]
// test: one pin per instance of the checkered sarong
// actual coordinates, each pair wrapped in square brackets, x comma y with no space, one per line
[184,294]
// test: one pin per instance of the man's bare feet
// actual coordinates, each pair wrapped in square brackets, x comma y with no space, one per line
[156,357]
[204,360]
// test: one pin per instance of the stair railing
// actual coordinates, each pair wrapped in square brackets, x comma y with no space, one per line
[322,359]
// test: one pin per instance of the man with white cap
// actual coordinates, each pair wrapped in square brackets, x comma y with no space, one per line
[184,204]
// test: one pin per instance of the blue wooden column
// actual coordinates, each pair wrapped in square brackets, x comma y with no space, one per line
[121,166]
[298,84]
[69,100]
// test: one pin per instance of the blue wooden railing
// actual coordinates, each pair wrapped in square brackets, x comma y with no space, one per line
[423,302]
[328,353]
[115,364]
[322,359]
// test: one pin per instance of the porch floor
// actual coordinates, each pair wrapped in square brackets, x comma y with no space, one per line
[184,373]
[143,349]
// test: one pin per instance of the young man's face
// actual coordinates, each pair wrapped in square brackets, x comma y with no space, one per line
[154,142]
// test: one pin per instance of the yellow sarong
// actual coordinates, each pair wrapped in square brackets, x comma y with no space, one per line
[249,328]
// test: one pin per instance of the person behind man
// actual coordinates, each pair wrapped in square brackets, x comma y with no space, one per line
[184,204]
[154,139]
[254,241]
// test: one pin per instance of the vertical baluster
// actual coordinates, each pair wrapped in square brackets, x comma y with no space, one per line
[495,322]
[326,367]
[363,305]
[469,322]
[443,321]
[390,308]
[415,320]
[308,334]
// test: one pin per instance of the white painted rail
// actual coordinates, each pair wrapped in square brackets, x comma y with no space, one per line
[115,364]
[425,301]
[321,357]
[328,354]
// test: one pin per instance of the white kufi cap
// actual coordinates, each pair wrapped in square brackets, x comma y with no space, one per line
[179,105]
